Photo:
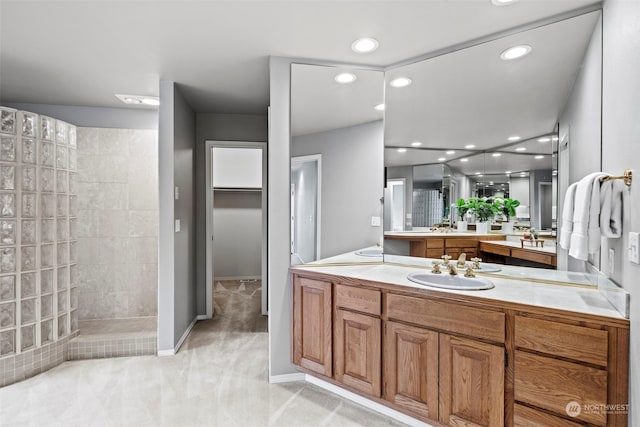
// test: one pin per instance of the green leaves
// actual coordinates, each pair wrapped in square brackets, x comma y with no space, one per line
[506,206]
[481,208]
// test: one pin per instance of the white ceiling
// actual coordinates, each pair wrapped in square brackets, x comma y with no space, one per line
[83,52]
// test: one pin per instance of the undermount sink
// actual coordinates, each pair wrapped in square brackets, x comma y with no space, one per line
[370,252]
[447,281]
[487,268]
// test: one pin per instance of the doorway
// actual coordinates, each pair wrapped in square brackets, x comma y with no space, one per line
[236,219]
[306,207]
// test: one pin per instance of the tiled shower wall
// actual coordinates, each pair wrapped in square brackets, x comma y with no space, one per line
[117,223]
[38,207]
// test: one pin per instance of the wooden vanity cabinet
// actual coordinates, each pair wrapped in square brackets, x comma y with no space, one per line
[457,361]
[312,325]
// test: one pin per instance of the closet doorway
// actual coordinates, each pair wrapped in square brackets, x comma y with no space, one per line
[236,254]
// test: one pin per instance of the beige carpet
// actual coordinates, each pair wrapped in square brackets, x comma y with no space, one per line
[237,306]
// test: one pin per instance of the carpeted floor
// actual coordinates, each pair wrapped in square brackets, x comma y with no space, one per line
[237,306]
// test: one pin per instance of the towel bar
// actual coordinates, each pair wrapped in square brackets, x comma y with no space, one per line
[628,174]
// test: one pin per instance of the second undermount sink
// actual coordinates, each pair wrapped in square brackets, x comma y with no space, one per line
[376,252]
[447,281]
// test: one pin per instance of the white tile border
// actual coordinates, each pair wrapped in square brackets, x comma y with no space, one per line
[286,378]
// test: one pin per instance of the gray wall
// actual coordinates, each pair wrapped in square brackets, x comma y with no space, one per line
[535,178]
[519,190]
[581,121]
[218,127]
[125,118]
[117,223]
[352,183]
[177,284]
[237,231]
[621,150]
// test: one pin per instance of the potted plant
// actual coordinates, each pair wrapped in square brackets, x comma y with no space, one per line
[483,210]
[507,207]
[462,208]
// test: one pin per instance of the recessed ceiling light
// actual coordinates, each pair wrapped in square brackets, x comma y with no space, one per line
[503,2]
[478,173]
[151,101]
[555,138]
[138,99]
[345,78]
[490,182]
[400,82]
[464,160]
[544,139]
[539,157]
[515,52]
[379,107]
[402,150]
[513,138]
[496,154]
[480,176]
[523,174]
[470,146]
[416,143]
[450,152]
[442,159]
[364,45]
[507,172]
[521,149]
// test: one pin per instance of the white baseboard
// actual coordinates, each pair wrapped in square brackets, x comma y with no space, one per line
[202,317]
[375,406]
[215,279]
[180,341]
[286,378]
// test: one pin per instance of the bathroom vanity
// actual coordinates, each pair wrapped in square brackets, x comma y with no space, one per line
[520,354]
[434,245]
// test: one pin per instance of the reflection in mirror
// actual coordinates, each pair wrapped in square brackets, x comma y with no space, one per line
[473,125]
[336,166]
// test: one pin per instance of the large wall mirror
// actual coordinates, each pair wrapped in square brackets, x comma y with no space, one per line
[337,162]
[474,123]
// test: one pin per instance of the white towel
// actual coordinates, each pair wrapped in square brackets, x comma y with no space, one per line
[611,193]
[566,226]
[585,238]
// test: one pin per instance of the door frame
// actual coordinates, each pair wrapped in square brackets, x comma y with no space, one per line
[391,182]
[318,159]
[208,148]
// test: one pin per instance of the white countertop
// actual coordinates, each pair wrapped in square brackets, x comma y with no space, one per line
[584,298]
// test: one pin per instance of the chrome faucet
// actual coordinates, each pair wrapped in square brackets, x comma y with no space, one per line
[452,269]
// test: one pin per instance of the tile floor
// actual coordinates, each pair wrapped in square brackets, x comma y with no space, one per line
[218,378]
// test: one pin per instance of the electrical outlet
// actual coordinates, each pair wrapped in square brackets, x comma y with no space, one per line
[375,221]
[612,259]
[634,250]
[177,226]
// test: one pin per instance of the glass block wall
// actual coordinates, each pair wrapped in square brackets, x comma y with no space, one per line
[38,250]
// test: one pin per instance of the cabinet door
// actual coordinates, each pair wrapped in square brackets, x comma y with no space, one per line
[357,351]
[312,325]
[411,369]
[471,383]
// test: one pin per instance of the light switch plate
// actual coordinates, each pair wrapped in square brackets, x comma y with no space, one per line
[634,250]
[177,227]
[612,259]
[177,193]
[375,221]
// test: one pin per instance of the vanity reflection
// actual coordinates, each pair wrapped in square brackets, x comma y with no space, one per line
[473,125]
[336,163]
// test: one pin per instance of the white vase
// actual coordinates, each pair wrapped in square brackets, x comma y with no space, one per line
[507,227]
[461,225]
[482,227]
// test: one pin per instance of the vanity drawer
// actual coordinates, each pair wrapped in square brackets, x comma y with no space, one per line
[529,417]
[559,339]
[359,299]
[435,243]
[435,253]
[462,243]
[446,316]
[551,384]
